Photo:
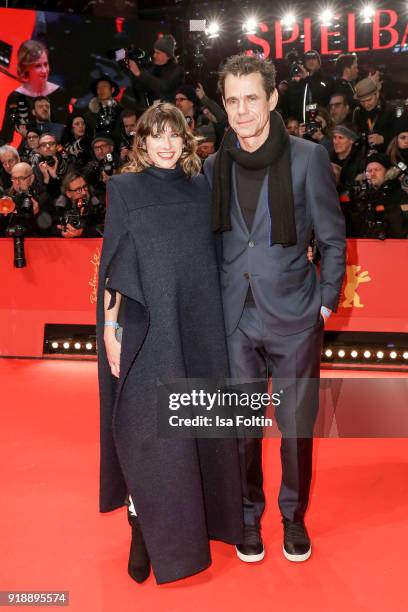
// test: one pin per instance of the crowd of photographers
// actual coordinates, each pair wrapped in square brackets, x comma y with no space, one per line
[365,133]
[55,183]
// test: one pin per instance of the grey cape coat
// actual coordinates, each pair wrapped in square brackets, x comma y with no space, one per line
[158,252]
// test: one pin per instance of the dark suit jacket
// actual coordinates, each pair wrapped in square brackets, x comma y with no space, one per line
[287,289]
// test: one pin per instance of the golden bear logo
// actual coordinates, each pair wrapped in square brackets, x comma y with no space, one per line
[94,280]
[354,278]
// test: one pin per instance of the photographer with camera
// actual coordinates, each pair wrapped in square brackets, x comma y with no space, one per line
[374,118]
[103,114]
[9,157]
[346,76]
[348,161]
[319,128]
[52,166]
[128,120]
[378,197]
[293,102]
[104,164]
[78,213]
[33,206]
[76,140]
[319,84]
[29,148]
[161,80]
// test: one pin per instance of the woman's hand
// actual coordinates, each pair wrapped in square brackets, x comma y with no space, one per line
[113,348]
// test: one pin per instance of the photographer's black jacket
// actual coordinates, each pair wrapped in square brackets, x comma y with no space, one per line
[382,122]
[158,83]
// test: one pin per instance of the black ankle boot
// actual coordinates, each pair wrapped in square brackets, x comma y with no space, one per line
[139,561]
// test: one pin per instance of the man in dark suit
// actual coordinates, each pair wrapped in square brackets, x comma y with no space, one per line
[271,191]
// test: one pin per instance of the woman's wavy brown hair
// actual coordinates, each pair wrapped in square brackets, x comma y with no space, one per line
[154,120]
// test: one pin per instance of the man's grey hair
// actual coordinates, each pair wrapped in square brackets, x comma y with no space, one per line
[8,149]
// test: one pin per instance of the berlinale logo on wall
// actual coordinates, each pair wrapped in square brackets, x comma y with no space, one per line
[354,278]
[96,257]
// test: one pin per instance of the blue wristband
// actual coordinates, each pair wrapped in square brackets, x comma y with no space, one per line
[325,311]
[114,324]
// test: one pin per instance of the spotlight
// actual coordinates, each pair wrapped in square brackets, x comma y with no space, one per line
[341,353]
[66,345]
[405,355]
[288,21]
[250,25]
[354,354]
[380,355]
[326,17]
[213,29]
[54,345]
[367,354]
[328,353]
[367,13]
[393,355]
[77,345]
[88,346]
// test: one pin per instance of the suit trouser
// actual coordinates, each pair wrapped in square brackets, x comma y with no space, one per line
[294,363]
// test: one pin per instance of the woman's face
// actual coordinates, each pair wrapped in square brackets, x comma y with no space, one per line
[39,71]
[403,140]
[78,127]
[322,121]
[164,148]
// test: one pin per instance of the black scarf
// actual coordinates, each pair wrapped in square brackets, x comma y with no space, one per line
[275,154]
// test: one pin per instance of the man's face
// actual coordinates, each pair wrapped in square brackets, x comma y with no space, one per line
[342,145]
[248,108]
[8,161]
[77,190]
[293,127]
[104,90]
[184,104]
[42,110]
[375,173]
[312,64]
[205,149]
[101,148]
[354,71]
[339,109]
[160,58]
[48,145]
[370,102]
[129,124]
[22,177]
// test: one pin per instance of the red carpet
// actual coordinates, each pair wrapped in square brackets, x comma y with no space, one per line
[53,538]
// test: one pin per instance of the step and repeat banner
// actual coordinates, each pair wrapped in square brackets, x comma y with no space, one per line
[59,286]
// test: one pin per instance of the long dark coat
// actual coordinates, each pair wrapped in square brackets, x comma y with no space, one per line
[158,252]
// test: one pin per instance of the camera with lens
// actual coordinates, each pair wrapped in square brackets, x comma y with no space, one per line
[367,199]
[107,117]
[72,213]
[312,124]
[107,164]
[20,214]
[123,55]
[19,113]
[295,63]
[48,159]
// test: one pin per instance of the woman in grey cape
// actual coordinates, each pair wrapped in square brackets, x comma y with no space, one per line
[159,279]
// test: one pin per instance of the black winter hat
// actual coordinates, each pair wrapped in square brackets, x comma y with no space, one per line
[189,92]
[312,54]
[105,77]
[380,158]
[167,44]
[401,124]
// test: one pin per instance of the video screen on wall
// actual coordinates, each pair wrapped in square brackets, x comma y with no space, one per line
[77,50]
